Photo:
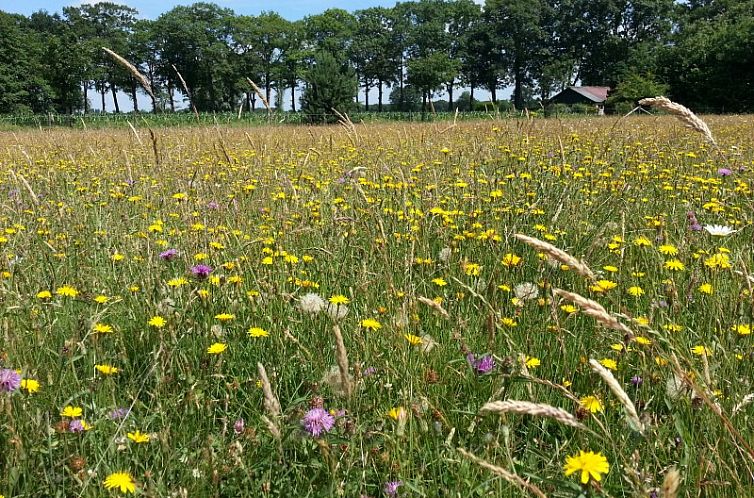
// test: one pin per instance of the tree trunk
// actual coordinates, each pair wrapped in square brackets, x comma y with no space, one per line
[134,96]
[450,95]
[366,97]
[379,97]
[86,97]
[102,95]
[471,98]
[267,87]
[115,99]
[293,97]
[493,92]
[424,101]
[171,96]
[518,98]
[248,101]
[253,105]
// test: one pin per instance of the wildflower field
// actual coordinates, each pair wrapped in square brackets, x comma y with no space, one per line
[520,307]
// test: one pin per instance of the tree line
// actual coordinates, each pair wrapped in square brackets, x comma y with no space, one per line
[698,52]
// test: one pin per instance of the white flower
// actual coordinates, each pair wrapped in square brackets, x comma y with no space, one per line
[719,230]
[337,311]
[311,303]
[526,291]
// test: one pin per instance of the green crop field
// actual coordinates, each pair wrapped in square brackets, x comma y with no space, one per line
[506,307]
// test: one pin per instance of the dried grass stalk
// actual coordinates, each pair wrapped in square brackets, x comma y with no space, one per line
[342,358]
[143,81]
[615,387]
[558,254]
[671,483]
[593,309]
[535,409]
[271,403]
[683,114]
[511,477]
[185,89]
[434,305]
[272,427]
[744,402]
[259,93]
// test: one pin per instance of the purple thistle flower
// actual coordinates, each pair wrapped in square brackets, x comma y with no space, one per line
[391,488]
[213,205]
[76,426]
[724,172]
[201,271]
[482,365]
[239,426]
[637,381]
[9,380]
[169,255]
[317,420]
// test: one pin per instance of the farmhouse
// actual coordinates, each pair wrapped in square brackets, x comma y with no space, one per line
[595,95]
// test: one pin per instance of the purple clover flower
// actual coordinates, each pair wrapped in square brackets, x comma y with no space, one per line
[213,205]
[637,381]
[169,255]
[391,488]
[9,380]
[76,426]
[724,172]
[317,420]
[239,426]
[482,365]
[201,271]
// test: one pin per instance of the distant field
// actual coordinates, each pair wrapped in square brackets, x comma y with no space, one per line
[145,275]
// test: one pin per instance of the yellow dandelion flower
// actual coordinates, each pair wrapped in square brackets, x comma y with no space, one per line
[591,465]
[45,294]
[636,291]
[701,350]
[414,340]
[217,348]
[371,324]
[106,369]
[225,317]
[532,362]
[591,403]
[71,411]
[742,329]
[102,328]
[157,322]
[440,282]
[706,288]
[67,291]
[258,332]
[397,413]
[339,299]
[510,260]
[138,437]
[609,363]
[31,386]
[121,481]
[668,249]
[674,265]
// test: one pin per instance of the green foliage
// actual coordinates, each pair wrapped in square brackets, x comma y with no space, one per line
[330,85]
[636,87]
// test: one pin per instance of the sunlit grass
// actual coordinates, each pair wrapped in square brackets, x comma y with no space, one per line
[143,280]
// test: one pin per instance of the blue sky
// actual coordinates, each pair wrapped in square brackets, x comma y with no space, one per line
[151,9]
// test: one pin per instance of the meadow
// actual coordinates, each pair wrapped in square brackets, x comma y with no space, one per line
[512,307]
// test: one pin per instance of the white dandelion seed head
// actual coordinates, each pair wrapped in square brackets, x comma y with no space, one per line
[526,291]
[311,303]
[336,311]
[444,255]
